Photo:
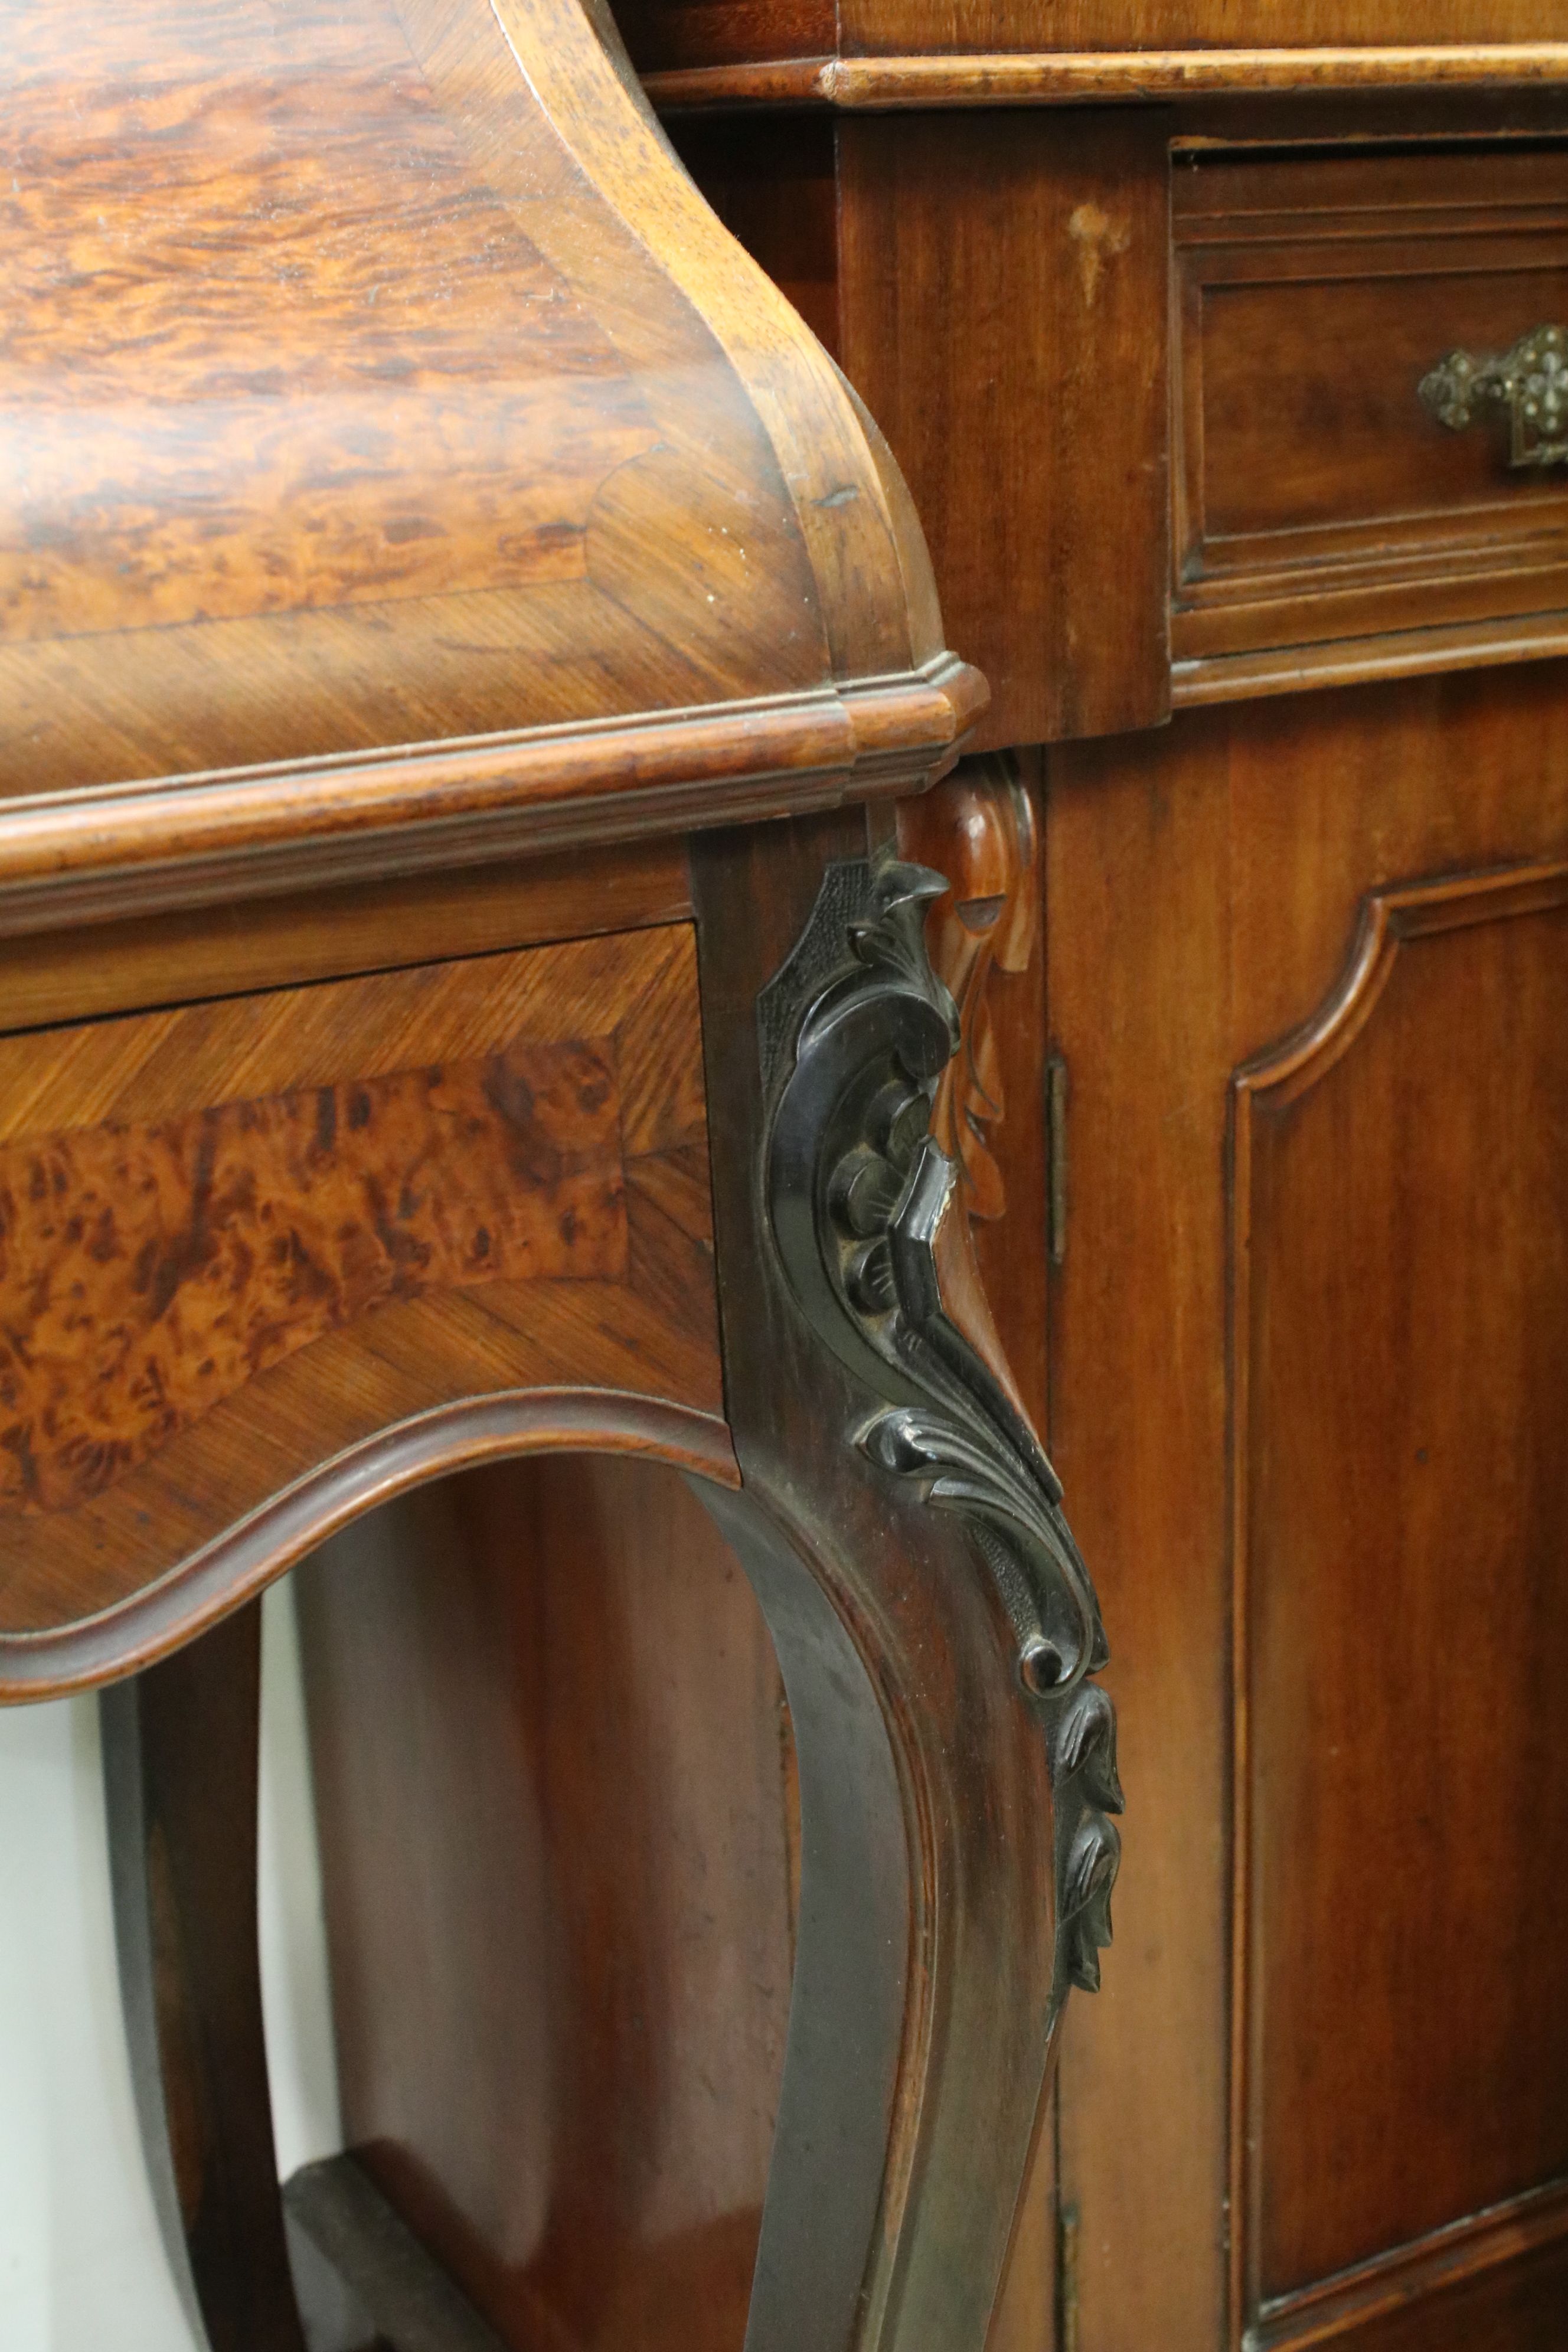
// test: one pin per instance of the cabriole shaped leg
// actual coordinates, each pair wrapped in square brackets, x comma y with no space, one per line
[935,1625]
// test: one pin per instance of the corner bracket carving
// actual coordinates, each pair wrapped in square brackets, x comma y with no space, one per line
[978,827]
[869,1215]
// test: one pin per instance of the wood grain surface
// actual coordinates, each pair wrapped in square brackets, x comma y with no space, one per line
[243,1237]
[150,1270]
[1203,891]
[1315,497]
[864,37]
[919,2027]
[181,1774]
[1025,75]
[374,382]
[995,290]
[140,961]
[1355,1346]
[561,2032]
[981,828]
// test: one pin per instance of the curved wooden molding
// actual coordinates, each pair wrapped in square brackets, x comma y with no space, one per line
[1065,77]
[1388,917]
[190,840]
[232,1569]
[1401,653]
[853,508]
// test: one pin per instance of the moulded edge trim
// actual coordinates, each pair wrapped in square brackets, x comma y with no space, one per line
[188,840]
[233,1567]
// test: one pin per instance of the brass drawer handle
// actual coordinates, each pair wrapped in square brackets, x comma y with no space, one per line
[1528,384]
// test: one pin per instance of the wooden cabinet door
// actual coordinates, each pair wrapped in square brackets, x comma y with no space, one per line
[1309,969]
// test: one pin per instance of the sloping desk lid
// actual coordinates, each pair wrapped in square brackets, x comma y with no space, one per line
[398,462]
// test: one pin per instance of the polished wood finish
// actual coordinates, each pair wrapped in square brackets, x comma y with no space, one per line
[1315,496]
[299,936]
[1237,39]
[974,258]
[248,1240]
[1402,653]
[1182,943]
[179,1757]
[912,53]
[981,828]
[1064,77]
[349,566]
[1301,1248]
[995,290]
[415,482]
[1347,1221]
[1021,296]
[1318,2102]
[922,2020]
[194,839]
[560,2035]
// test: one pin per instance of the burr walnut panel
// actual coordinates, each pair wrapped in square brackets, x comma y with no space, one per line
[146,1272]
[242,1237]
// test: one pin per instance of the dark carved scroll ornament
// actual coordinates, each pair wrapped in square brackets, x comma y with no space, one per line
[871,1223]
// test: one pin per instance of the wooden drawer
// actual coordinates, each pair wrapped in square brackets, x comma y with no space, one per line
[1316,500]
[252,1247]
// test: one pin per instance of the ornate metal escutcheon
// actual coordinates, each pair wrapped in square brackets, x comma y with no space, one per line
[871,1223]
[1528,385]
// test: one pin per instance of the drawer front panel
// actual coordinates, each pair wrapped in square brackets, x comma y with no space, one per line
[1317,497]
[239,1239]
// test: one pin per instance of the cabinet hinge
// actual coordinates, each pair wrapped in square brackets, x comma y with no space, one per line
[1057,1157]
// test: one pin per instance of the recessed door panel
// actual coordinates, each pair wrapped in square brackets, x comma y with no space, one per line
[1401,1410]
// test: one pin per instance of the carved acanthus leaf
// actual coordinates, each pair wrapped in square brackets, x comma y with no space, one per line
[868,1207]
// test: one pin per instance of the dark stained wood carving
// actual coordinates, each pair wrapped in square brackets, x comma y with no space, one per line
[922,2016]
[247,1239]
[868,1212]
[1400,1290]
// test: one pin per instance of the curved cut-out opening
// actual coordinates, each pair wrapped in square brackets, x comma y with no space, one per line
[555,1789]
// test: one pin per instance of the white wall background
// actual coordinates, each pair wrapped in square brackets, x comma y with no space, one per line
[82,2266]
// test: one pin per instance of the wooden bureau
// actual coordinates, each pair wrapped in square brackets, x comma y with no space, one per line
[525,1096]
[479,1115]
[1161,320]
